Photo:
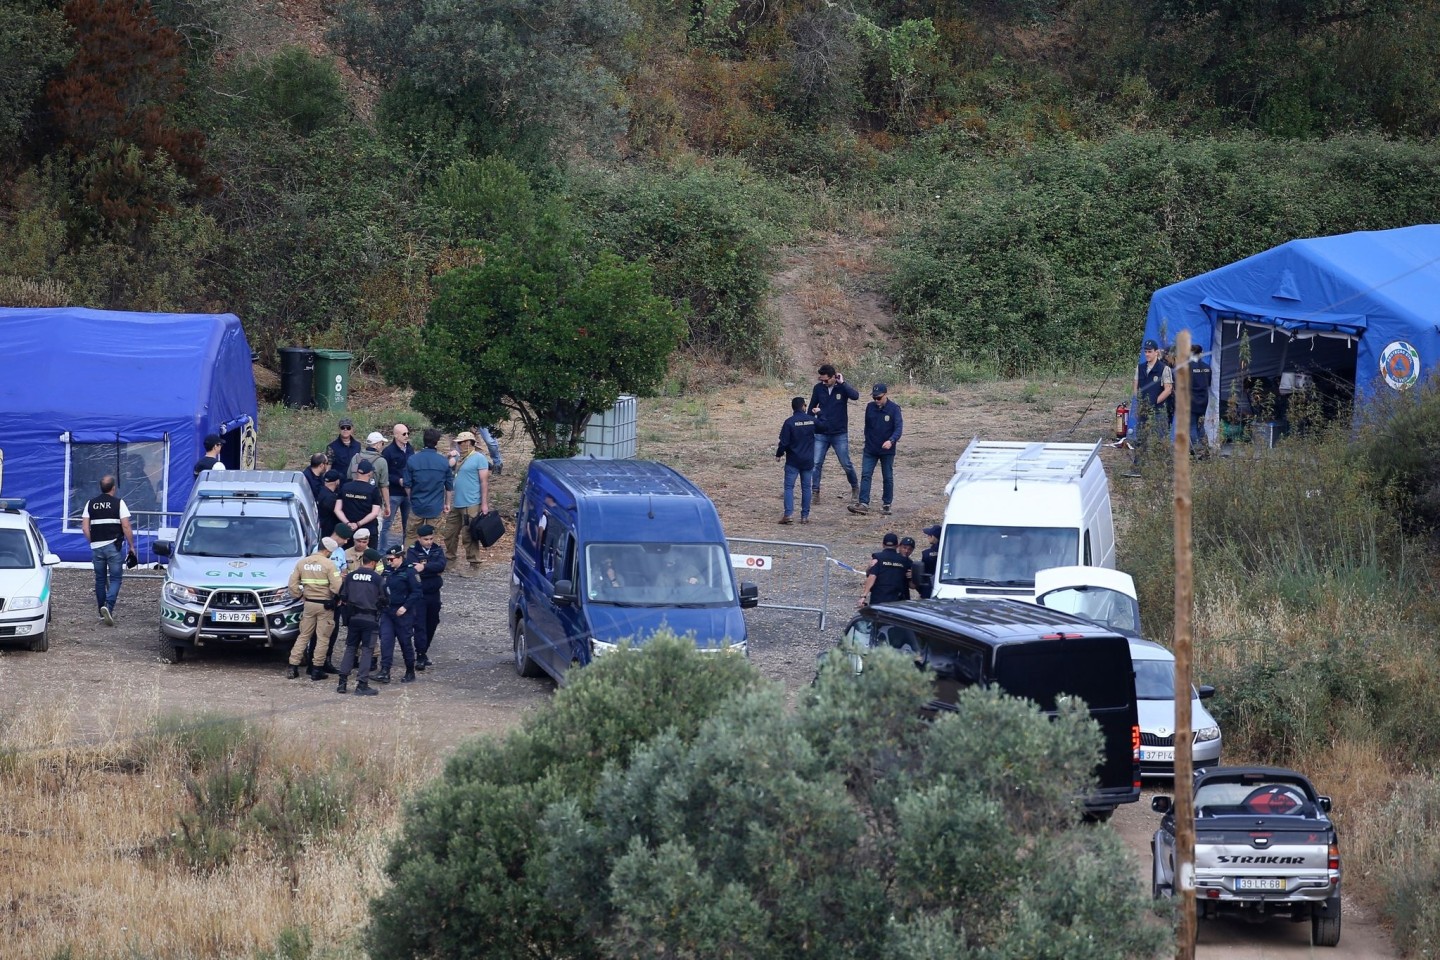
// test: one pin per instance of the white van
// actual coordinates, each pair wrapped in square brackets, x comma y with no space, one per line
[1018,507]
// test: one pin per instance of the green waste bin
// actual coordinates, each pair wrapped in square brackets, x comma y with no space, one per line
[332,379]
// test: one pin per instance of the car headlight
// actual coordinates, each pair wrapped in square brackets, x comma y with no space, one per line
[181,593]
[270,598]
[1207,733]
[22,603]
[600,647]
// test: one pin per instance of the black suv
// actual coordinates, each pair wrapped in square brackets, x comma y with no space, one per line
[1028,651]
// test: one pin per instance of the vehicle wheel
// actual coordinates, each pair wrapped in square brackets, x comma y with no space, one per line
[1325,926]
[1098,816]
[524,666]
[41,643]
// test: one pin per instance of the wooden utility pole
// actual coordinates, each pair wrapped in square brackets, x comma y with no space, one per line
[1184,602]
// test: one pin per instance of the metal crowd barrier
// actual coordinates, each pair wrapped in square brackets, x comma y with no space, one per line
[790,575]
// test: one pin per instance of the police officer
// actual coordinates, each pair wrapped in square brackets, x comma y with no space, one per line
[907,548]
[1154,382]
[317,579]
[363,597]
[886,578]
[428,559]
[402,588]
[325,499]
[797,449]
[105,522]
[1199,397]
[360,503]
[929,561]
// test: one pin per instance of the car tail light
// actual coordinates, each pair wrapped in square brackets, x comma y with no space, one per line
[1334,863]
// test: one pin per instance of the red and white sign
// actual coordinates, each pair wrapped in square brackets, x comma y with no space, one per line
[747,561]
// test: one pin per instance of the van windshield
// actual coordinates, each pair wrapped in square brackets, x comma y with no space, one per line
[658,574]
[1004,556]
[210,536]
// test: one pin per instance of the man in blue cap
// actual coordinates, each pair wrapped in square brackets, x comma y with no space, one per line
[883,426]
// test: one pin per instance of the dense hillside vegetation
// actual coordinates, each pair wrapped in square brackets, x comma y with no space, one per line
[1043,163]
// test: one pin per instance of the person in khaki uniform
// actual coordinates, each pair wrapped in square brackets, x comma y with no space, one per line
[471,471]
[317,579]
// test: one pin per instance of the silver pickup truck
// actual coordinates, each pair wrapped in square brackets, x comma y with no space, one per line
[1264,845]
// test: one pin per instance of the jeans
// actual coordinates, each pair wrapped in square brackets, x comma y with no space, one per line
[840,442]
[887,476]
[109,562]
[493,447]
[791,473]
[399,507]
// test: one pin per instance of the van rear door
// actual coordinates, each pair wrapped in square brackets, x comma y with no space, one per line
[1099,671]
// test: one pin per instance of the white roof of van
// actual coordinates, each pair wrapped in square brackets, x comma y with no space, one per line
[1017,459]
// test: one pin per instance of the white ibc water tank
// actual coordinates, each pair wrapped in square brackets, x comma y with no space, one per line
[611,435]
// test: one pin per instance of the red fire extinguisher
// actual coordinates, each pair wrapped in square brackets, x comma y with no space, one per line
[1122,420]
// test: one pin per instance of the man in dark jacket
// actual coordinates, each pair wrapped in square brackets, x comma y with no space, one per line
[360,503]
[1154,383]
[830,403]
[797,449]
[886,578]
[429,483]
[362,596]
[1199,398]
[325,499]
[883,426]
[929,561]
[397,622]
[396,455]
[315,476]
[344,447]
[428,559]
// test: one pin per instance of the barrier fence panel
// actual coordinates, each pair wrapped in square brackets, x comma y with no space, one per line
[790,575]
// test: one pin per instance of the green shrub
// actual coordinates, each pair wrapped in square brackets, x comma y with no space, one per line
[1408,860]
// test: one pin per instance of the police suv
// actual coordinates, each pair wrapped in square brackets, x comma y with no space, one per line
[25,569]
[230,560]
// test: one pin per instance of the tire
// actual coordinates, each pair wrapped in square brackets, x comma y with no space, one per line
[524,666]
[1158,890]
[41,643]
[1098,816]
[1325,927]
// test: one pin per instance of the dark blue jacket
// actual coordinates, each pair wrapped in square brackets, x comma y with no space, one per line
[395,460]
[881,424]
[797,441]
[341,454]
[831,406]
[1199,386]
[402,586]
[427,477]
[434,560]
[891,576]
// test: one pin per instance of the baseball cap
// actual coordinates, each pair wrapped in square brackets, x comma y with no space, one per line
[464,435]
[879,389]
[370,554]
[890,540]
[932,531]
[212,439]
[364,466]
[375,437]
[425,530]
[395,551]
[363,533]
[332,475]
[344,531]
[907,541]
[347,422]
[1151,345]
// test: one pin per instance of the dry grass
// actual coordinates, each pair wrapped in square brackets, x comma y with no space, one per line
[88,856]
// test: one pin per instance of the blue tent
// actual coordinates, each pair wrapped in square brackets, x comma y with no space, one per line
[84,393]
[1343,316]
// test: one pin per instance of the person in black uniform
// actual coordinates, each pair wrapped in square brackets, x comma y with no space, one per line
[402,589]
[885,580]
[929,561]
[315,475]
[359,502]
[363,597]
[797,450]
[428,559]
[912,576]
[1199,398]
[211,460]
[1153,386]
[325,502]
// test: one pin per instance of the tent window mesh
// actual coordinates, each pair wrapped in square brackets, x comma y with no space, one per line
[139,469]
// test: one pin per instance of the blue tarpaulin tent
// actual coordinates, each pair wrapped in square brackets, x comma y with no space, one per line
[1344,316]
[85,392]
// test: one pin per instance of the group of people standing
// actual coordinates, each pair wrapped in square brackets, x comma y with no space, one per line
[1155,393]
[814,429]
[896,574]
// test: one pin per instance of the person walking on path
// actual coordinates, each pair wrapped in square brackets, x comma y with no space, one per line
[797,450]
[885,579]
[883,427]
[397,622]
[105,522]
[471,498]
[396,455]
[428,559]
[363,597]
[1199,398]
[316,579]
[830,403]
[429,483]
[344,447]
[211,460]
[360,503]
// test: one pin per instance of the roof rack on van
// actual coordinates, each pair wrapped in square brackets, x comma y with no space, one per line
[1004,459]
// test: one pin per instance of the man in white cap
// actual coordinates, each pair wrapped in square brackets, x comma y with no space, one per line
[472,498]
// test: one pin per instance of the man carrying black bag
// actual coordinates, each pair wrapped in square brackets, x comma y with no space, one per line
[486,529]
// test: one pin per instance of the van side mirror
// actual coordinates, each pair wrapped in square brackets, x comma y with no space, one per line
[1206,691]
[1160,804]
[161,548]
[563,593]
[1323,803]
[749,596]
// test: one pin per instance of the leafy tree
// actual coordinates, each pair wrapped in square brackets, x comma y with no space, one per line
[735,826]
[541,329]
[32,44]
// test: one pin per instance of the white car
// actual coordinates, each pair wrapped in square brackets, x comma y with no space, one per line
[1108,598]
[26,564]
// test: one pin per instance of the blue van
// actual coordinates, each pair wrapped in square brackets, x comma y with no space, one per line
[613,550]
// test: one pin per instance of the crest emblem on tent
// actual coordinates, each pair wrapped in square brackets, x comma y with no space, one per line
[1400,365]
